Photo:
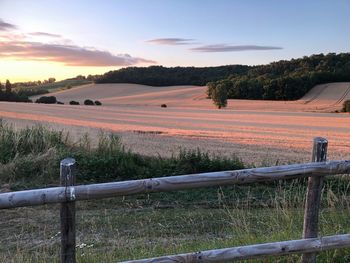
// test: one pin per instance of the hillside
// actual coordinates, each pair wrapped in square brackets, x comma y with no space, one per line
[323,98]
[282,80]
[134,94]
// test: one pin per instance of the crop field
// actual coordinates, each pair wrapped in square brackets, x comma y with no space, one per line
[256,131]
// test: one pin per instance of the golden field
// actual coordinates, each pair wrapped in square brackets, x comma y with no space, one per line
[256,131]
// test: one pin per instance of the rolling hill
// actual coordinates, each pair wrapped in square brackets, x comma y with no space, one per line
[325,98]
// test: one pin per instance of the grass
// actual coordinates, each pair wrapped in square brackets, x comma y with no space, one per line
[141,226]
[111,231]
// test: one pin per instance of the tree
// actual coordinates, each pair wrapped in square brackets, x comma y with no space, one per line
[219,93]
[8,86]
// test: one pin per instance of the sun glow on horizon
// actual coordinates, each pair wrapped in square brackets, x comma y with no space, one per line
[21,71]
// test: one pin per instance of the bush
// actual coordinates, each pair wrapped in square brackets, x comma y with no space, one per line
[163,106]
[47,100]
[89,102]
[60,102]
[346,106]
[73,102]
[98,103]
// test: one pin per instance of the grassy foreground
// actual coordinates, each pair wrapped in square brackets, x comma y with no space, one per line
[141,226]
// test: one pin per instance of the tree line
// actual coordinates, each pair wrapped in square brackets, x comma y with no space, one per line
[163,76]
[282,80]
[7,94]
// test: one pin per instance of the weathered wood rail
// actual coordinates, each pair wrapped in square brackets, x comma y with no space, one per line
[171,183]
[256,251]
[68,193]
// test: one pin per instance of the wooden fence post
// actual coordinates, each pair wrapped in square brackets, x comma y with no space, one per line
[313,197]
[67,212]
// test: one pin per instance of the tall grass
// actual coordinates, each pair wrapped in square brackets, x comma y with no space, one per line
[30,157]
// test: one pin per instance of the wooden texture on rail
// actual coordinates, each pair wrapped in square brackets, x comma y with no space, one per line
[255,251]
[171,183]
[313,197]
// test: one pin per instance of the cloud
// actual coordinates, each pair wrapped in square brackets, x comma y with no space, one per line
[70,55]
[171,41]
[231,48]
[20,46]
[44,34]
[6,26]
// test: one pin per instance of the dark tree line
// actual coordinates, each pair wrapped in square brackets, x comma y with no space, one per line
[163,76]
[285,80]
[7,94]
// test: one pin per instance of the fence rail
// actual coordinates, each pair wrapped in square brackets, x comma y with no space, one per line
[68,193]
[171,183]
[256,251]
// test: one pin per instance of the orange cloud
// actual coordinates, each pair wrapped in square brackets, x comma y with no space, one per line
[69,55]
[15,45]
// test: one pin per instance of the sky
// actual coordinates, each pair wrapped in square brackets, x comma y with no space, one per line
[54,38]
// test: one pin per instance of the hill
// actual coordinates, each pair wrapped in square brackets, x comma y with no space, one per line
[50,87]
[135,94]
[282,80]
[325,97]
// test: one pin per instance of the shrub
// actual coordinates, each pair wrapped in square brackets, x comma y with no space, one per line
[47,100]
[73,102]
[89,102]
[163,106]
[346,106]
[60,102]
[98,103]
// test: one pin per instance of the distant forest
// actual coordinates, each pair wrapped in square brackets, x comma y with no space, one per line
[162,76]
[282,80]
[285,80]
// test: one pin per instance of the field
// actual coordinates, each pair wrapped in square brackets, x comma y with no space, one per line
[258,132]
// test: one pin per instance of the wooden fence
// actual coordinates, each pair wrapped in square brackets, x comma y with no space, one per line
[68,193]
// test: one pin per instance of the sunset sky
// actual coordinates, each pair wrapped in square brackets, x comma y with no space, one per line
[61,39]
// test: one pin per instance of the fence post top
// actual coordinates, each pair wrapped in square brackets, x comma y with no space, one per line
[68,161]
[320,140]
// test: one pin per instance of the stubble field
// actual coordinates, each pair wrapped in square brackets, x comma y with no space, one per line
[256,131]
